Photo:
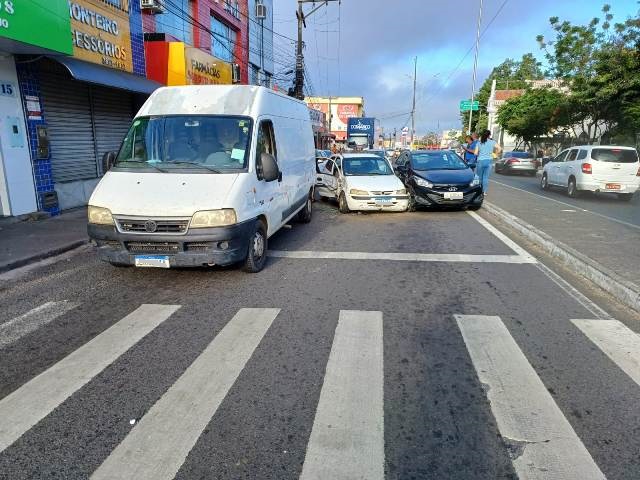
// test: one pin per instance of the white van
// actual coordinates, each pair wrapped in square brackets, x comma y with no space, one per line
[596,168]
[205,176]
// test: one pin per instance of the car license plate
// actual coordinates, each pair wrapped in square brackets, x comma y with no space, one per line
[612,186]
[382,200]
[152,261]
[453,195]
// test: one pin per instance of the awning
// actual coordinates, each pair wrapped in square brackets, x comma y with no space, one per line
[92,73]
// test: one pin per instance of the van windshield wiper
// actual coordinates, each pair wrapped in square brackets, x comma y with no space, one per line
[199,165]
[142,162]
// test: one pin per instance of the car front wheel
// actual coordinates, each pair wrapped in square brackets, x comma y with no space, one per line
[342,204]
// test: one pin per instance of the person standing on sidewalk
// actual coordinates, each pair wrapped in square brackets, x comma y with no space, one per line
[485,149]
[470,150]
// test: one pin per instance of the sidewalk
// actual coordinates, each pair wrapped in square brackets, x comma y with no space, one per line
[25,242]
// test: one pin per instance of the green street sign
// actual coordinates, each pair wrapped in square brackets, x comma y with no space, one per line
[466,105]
[43,23]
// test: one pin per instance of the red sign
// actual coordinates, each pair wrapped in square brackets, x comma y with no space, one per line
[346,111]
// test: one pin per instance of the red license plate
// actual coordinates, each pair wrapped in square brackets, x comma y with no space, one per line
[612,186]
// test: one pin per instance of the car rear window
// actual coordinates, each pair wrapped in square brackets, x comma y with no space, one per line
[614,155]
[518,155]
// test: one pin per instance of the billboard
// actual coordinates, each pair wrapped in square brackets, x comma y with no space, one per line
[361,130]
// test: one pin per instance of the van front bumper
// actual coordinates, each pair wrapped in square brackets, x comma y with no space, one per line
[198,247]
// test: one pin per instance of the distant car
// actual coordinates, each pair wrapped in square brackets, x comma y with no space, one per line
[521,162]
[595,168]
[362,181]
[439,178]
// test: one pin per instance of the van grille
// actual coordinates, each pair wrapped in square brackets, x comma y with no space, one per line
[152,226]
[152,247]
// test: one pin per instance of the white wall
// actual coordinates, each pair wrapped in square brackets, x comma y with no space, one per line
[17,191]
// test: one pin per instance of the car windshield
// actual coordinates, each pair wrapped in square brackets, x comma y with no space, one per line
[517,155]
[437,161]
[379,153]
[614,155]
[212,144]
[361,166]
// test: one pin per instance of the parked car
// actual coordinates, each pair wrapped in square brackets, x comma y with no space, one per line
[521,162]
[594,168]
[323,153]
[362,181]
[439,178]
[205,175]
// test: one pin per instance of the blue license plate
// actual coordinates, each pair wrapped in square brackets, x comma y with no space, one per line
[382,200]
[152,261]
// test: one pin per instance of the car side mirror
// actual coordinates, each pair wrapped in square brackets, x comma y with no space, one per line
[270,170]
[108,161]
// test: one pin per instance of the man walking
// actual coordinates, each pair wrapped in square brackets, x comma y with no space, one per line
[470,156]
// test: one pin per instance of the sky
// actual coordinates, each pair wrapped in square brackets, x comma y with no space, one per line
[366,48]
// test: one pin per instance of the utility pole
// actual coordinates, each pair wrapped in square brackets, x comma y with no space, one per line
[413,108]
[475,66]
[298,89]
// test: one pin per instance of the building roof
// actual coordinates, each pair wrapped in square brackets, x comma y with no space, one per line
[503,95]
[336,100]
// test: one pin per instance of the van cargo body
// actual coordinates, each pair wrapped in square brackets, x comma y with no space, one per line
[205,176]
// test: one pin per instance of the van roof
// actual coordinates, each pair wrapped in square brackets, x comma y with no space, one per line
[246,100]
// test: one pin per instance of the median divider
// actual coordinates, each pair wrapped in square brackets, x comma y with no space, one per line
[625,291]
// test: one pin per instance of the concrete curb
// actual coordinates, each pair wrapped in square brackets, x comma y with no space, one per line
[625,291]
[21,262]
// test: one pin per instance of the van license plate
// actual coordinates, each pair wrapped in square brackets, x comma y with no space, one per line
[152,261]
[612,186]
[453,195]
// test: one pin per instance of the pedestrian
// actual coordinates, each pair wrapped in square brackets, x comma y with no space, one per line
[469,149]
[486,148]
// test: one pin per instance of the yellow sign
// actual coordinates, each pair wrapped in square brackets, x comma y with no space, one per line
[100,33]
[204,69]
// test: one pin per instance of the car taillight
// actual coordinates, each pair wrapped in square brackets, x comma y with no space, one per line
[586,168]
[512,161]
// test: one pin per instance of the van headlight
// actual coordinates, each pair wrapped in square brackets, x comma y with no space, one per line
[99,215]
[213,218]
[355,191]
[475,181]
[421,182]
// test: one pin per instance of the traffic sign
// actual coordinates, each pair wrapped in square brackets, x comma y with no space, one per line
[466,105]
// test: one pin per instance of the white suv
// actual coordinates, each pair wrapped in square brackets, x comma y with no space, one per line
[596,168]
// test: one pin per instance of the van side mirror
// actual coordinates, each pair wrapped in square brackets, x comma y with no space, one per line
[108,161]
[270,170]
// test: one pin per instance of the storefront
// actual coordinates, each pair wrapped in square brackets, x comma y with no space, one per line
[80,106]
[18,36]
[176,63]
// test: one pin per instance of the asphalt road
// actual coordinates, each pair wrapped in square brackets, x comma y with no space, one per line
[425,346]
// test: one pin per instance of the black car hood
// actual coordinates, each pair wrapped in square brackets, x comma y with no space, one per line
[448,177]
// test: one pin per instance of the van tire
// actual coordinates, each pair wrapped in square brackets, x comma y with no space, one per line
[304,215]
[343,206]
[257,251]
[625,197]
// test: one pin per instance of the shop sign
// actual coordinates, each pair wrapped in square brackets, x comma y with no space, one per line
[204,69]
[100,33]
[43,23]
[34,110]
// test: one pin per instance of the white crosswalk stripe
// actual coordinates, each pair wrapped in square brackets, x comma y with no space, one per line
[544,443]
[18,327]
[618,342]
[29,404]
[347,439]
[158,445]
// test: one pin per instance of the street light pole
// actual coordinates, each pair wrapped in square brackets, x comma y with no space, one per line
[413,108]
[475,65]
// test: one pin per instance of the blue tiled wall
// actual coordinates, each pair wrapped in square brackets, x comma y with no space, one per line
[137,38]
[30,85]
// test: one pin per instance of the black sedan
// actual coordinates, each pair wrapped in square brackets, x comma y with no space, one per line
[439,178]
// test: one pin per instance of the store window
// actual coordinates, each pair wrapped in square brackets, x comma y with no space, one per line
[223,40]
[173,21]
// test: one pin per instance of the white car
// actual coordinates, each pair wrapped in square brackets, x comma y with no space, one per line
[362,181]
[596,168]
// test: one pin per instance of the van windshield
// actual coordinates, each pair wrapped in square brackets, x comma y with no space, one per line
[217,144]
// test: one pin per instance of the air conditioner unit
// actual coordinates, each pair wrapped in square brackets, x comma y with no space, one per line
[235,73]
[151,5]
[261,11]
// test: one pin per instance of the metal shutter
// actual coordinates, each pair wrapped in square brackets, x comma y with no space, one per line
[68,113]
[112,114]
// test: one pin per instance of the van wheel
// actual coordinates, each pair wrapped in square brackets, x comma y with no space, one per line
[257,251]
[625,197]
[572,189]
[342,204]
[544,182]
[304,215]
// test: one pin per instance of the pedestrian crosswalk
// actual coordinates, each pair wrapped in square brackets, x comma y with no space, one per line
[347,438]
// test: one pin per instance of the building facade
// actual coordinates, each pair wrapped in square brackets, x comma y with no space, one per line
[341,108]
[261,59]
[80,71]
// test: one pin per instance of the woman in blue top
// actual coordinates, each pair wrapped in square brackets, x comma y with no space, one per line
[485,150]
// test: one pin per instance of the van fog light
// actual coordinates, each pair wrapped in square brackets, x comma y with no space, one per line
[223,245]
